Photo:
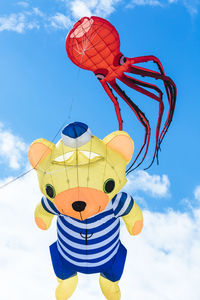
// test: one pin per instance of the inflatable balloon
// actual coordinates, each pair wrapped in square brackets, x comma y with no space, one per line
[93,44]
[80,178]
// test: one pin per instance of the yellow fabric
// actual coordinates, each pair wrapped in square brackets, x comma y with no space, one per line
[77,157]
[80,174]
[121,141]
[110,136]
[135,217]
[66,288]
[38,151]
[42,217]
[67,168]
[110,289]
[63,177]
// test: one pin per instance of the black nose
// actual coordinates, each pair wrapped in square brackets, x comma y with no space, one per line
[79,205]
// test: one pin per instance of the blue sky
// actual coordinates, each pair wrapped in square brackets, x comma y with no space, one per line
[41,89]
[39,84]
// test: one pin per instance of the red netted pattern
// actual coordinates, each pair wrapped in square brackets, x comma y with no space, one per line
[92,43]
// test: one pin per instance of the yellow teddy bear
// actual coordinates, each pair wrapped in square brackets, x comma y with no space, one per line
[80,178]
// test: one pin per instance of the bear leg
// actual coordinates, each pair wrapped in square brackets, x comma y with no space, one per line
[110,289]
[66,288]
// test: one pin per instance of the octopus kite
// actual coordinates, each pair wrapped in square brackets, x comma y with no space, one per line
[93,44]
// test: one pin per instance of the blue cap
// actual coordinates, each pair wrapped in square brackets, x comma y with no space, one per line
[76,134]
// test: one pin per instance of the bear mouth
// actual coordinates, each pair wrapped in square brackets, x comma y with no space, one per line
[81,213]
[81,217]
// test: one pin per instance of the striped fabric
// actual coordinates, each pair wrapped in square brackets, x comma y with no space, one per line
[93,242]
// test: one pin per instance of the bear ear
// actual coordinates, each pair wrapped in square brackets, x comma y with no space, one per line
[121,142]
[38,151]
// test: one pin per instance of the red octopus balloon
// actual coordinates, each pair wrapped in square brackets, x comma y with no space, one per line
[93,44]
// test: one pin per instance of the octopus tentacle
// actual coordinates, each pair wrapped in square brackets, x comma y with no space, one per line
[146,84]
[115,102]
[148,58]
[171,92]
[170,89]
[147,72]
[131,82]
[141,117]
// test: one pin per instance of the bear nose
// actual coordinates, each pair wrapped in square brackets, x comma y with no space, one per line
[79,205]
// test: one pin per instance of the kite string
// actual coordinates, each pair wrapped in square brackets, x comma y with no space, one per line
[52,140]
[15,179]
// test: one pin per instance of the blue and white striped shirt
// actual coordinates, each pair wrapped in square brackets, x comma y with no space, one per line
[93,242]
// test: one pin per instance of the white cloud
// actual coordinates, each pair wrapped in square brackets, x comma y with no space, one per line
[102,8]
[60,21]
[80,9]
[32,25]
[12,149]
[18,22]
[146,2]
[163,262]
[197,193]
[13,22]
[36,11]
[23,3]
[192,6]
[21,253]
[33,18]
[156,185]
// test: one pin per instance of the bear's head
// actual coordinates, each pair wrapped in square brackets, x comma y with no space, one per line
[81,173]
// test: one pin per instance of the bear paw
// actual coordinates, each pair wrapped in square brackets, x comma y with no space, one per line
[137,228]
[40,223]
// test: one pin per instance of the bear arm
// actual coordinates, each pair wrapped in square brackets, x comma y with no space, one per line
[134,220]
[42,217]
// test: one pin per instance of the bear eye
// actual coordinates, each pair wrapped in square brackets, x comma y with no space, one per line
[109,185]
[50,191]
